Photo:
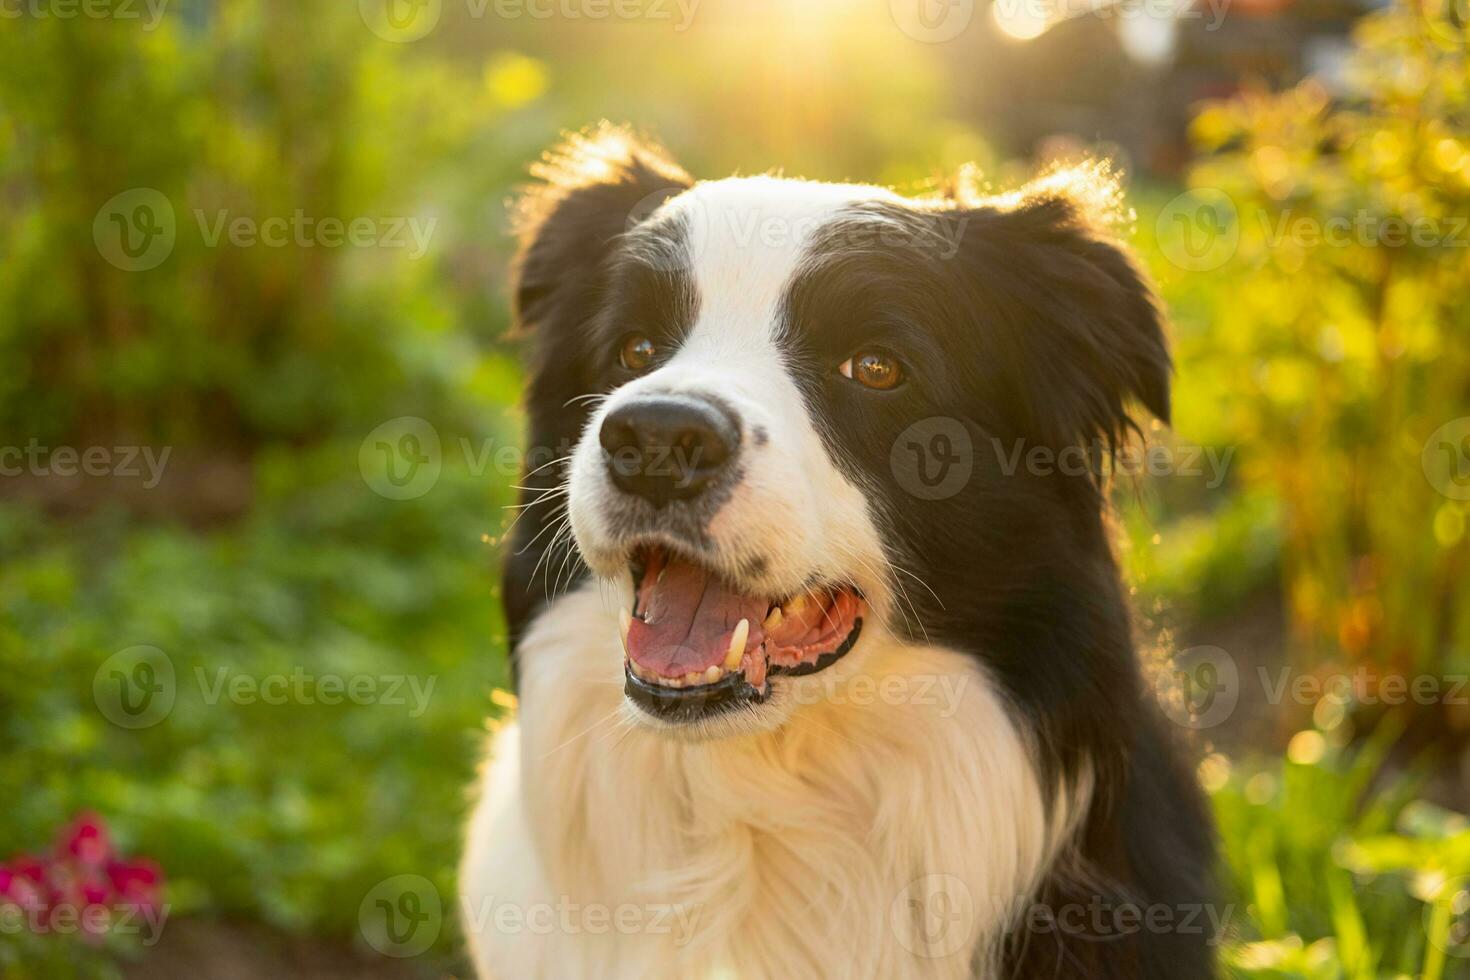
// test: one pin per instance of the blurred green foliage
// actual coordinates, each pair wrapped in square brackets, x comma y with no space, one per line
[1342,347]
[258,805]
[1323,368]
[250,111]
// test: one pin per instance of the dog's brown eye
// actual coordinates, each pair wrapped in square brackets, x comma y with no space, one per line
[872,369]
[637,352]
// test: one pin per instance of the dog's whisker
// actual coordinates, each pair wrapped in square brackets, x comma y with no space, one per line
[563,521]
[526,508]
[549,463]
[616,709]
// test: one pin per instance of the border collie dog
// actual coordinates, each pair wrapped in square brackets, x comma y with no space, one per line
[818,674]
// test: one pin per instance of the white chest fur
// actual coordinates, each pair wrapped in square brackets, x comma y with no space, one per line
[886,830]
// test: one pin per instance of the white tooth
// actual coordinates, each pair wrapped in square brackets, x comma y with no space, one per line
[773,619]
[672,681]
[625,622]
[712,674]
[737,644]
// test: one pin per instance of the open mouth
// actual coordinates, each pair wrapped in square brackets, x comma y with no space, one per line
[694,643]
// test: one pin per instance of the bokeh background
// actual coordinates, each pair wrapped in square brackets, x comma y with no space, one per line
[203,521]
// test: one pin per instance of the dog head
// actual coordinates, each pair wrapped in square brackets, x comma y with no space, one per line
[798,411]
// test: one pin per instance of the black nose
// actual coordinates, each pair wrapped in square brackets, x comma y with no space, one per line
[668,447]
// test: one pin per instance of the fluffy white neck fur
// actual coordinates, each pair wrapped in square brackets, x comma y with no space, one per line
[888,832]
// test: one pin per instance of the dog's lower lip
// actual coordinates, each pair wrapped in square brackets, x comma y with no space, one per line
[689,704]
[692,630]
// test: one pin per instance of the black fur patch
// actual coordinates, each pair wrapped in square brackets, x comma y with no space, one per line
[576,287]
[1033,329]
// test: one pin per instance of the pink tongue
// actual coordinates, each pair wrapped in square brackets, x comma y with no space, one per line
[685,618]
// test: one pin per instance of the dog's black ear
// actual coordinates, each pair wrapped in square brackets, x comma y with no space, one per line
[591,189]
[1084,318]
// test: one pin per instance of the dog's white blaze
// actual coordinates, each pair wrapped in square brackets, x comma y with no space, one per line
[747,240]
[868,837]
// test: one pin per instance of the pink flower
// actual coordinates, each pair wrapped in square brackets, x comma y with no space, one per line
[27,883]
[82,878]
[86,840]
[138,882]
